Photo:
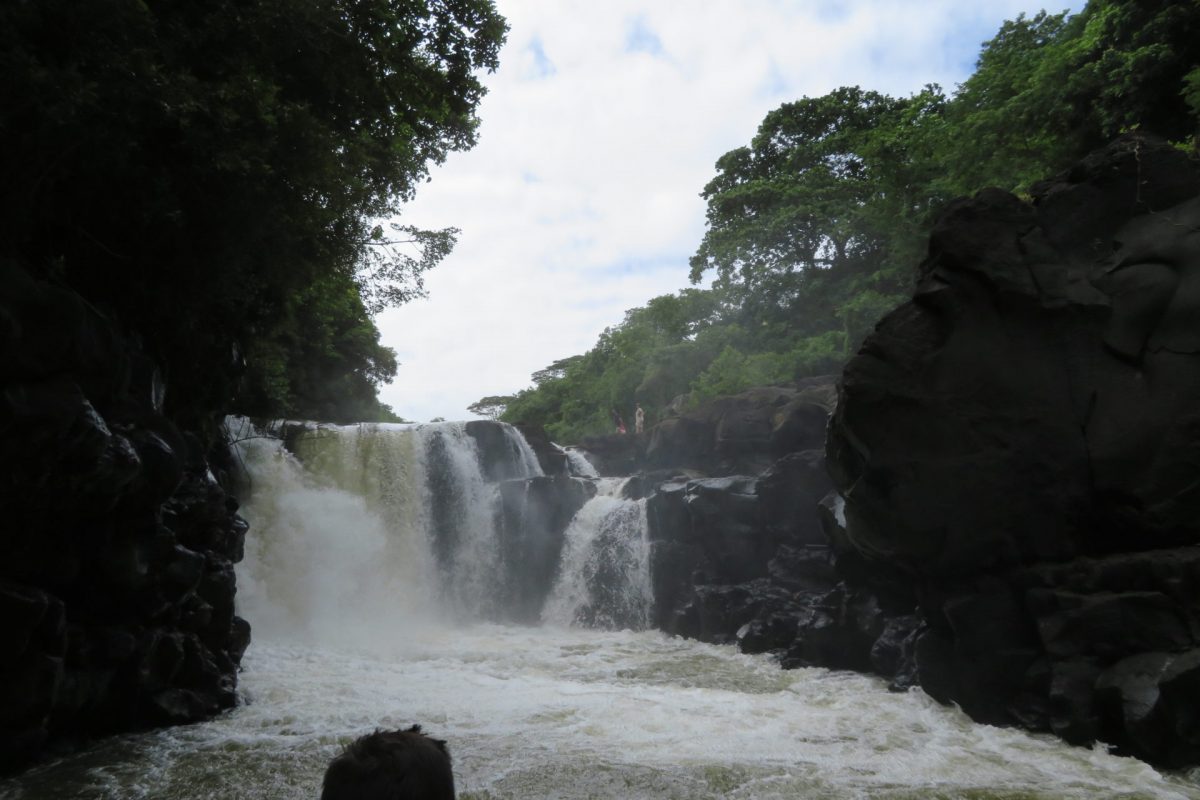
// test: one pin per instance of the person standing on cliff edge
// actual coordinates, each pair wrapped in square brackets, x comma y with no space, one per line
[639,419]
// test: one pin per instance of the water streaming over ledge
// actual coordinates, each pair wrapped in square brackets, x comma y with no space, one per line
[604,576]
[351,583]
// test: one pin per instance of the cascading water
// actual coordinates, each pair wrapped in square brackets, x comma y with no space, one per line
[349,583]
[579,465]
[329,553]
[604,577]
[400,517]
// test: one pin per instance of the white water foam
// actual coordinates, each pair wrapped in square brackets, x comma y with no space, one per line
[604,577]
[578,464]
[573,714]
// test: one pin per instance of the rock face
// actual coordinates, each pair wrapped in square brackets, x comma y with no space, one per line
[534,515]
[746,558]
[744,433]
[1020,444]
[118,544]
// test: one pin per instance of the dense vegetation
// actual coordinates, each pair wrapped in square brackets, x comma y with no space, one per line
[814,230]
[209,174]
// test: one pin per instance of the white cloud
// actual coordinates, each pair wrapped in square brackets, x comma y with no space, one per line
[600,128]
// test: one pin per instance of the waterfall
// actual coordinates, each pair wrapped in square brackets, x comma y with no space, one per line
[365,529]
[578,464]
[463,525]
[604,575]
[327,563]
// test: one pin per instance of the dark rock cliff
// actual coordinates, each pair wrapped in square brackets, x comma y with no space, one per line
[117,544]
[1017,452]
[1021,445]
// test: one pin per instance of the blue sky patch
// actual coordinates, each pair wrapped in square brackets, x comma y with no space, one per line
[543,67]
[641,38]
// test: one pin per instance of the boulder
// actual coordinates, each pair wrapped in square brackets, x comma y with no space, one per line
[743,433]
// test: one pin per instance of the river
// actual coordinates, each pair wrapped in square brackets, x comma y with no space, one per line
[349,636]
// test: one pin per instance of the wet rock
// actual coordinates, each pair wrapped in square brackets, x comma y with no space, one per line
[551,458]
[535,515]
[500,455]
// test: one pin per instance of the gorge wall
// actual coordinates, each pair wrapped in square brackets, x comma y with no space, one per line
[997,501]
[1016,456]
[118,544]
[1022,443]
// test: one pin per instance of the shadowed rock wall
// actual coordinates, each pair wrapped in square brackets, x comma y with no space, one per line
[1022,443]
[117,544]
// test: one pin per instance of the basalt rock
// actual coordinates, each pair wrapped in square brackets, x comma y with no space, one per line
[1020,444]
[535,514]
[751,557]
[551,458]
[615,454]
[500,454]
[116,581]
[744,433]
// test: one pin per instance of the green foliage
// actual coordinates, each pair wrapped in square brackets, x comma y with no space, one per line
[491,407]
[733,371]
[1012,123]
[198,168]
[1133,64]
[322,361]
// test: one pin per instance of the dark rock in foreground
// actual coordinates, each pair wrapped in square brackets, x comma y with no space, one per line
[1022,441]
[118,544]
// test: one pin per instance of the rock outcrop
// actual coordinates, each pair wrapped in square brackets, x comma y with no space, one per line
[746,557]
[1021,445]
[534,515]
[118,543]
[744,433]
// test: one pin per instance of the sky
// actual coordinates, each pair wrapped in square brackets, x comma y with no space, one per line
[598,133]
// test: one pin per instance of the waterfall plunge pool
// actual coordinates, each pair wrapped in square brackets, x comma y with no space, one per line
[566,713]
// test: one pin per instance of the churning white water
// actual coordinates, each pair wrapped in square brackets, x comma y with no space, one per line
[579,464]
[604,576]
[343,585]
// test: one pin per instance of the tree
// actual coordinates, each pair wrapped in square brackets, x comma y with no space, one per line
[193,167]
[1133,63]
[829,200]
[491,407]
[1012,122]
[790,204]
[815,229]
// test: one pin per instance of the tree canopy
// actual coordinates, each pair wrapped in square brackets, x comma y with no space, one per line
[212,174]
[816,227]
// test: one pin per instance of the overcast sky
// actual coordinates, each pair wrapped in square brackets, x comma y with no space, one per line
[598,132]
